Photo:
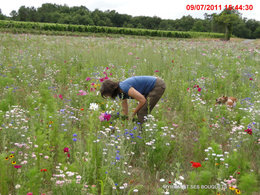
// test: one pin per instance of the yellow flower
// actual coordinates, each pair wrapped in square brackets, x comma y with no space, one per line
[6,158]
[232,188]
[11,156]
[13,162]
[218,193]
[217,164]
[238,191]
[51,122]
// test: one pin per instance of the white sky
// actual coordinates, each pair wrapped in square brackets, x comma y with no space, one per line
[165,9]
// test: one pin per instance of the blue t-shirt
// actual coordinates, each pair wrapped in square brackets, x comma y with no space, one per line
[142,84]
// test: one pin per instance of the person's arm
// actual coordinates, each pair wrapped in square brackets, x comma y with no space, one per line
[139,97]
[125,107]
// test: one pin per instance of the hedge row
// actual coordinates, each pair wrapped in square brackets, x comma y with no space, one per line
[102,29]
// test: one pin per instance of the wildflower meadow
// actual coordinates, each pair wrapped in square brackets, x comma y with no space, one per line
[59,136]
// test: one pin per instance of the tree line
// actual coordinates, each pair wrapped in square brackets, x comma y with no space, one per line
[226,22]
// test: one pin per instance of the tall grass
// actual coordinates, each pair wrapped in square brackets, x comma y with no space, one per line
[51,128]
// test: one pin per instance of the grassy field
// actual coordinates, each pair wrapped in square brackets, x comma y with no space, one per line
[53,139]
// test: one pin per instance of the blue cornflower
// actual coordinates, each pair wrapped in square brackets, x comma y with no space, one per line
[74,139]
[117,157]
[75,135]
[139,137]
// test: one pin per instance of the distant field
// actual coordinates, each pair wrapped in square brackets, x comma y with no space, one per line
[52,140]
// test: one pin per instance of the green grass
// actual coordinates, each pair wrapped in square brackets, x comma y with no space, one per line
[42,113]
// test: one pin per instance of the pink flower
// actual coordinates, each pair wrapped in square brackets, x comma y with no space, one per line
[175,125]
[29,193]
[130,53]
[92,89]
[92,84]
[199,89]
[101,117]
[82,92]
[228,181]
[101,80]
[66,149]
[233,180]
[104,116]
[106,78]
[156,71]
[88,79]
[60,96]
[17,166]
[107,68]
[250,78]
[107,117]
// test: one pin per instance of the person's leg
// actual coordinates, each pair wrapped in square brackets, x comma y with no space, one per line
[152,99]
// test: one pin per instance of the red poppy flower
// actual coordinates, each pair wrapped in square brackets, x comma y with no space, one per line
[82,109]
[249,131]
[195,164]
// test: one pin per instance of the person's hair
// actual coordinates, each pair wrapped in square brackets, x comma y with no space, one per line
[110,88]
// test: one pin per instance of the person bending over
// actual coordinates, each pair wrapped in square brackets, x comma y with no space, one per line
[147,90]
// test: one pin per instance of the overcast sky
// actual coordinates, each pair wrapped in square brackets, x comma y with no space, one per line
[165,9]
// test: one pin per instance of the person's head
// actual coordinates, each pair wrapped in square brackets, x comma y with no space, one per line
[109,89]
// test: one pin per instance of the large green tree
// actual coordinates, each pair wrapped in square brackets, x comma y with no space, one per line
[227,18]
